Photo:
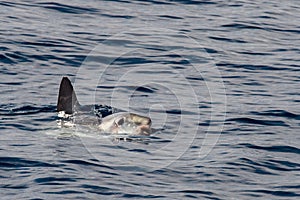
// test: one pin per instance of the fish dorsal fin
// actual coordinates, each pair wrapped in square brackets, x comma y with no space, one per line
[67,100]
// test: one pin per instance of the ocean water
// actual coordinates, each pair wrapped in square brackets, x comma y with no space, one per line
[219,79]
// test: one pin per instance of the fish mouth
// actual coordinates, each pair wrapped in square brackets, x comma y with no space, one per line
[144,130]
[141,124]
[138,119]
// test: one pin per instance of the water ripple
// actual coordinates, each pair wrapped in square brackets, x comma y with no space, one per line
[11,110]
[277,148]
[254,46]
[278,113]
[64,8]
[247,120]
[15,162]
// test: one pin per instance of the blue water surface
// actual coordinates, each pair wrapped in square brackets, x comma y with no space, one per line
[219,79]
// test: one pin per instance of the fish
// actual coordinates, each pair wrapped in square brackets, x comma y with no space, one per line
[106,118]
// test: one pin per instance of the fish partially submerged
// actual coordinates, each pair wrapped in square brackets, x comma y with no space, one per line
[105,118]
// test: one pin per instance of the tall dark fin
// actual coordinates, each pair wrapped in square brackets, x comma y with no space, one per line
[67,100]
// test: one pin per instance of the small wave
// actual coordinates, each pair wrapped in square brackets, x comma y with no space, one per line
[56,180]
[278,113]
[10,110]
[252,67]
[227,39]
[145,89]
[6,59]
[273,192]
[140,196]
[85,163]
[195,194]
[27,117]
[247,120]
[118,16]
[99,189]
[191,2]
[64,8]
[15,162]
[274,148]
[170,17]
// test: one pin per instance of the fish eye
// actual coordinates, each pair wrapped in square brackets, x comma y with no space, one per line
[120,122]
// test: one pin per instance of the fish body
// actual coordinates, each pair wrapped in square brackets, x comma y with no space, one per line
[107,119]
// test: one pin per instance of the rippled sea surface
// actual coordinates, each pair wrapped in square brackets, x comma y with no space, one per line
[220,80]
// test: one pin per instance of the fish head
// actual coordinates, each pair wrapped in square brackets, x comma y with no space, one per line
[126,123]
